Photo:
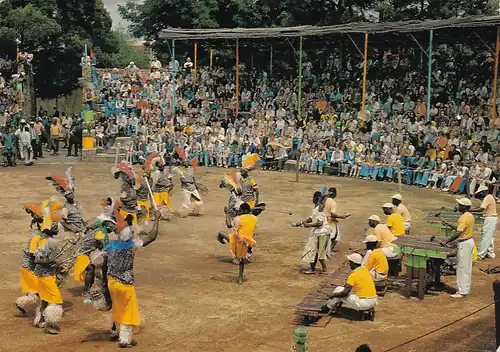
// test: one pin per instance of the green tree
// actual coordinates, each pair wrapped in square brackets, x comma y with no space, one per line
[129,49]
[55,31]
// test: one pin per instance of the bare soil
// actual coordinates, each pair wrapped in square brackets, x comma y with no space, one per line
[185,283]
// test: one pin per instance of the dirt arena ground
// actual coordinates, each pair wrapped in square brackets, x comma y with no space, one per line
[186,288]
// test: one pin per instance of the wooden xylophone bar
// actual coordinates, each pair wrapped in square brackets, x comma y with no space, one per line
[423,242]
[311,305]
[438,215]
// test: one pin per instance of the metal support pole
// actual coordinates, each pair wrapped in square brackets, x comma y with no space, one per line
[299,102]
[495,83]
[237,77]
[195,60]
[271,61]
[365,64]
[429,77]
[174,74]
[496,297]
[211,57]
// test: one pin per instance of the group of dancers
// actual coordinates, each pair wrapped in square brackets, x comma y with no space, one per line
[101,251]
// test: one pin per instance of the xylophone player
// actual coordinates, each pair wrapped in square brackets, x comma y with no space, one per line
[395,221]
[375,260]
[358,292]
[465,247]
[384,236]
[402,210]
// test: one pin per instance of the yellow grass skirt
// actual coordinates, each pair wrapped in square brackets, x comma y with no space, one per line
[81,263]
[125,309]
[145,204]
[239,245]
[29,281]
[125,213]
[162,198]
[48,291]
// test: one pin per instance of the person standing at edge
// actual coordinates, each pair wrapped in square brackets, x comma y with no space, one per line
[465,247]
[489,209]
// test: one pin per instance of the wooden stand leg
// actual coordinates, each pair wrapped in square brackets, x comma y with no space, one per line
[421,282]
[409,279]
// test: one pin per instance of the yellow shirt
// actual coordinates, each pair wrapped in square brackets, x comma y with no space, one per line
[54,130]
[466,226]
[188,130]
[246,225]
[362,283]
[330,208]
[402,210]
[396,223]
[378,261]
[489,206]
[384,235]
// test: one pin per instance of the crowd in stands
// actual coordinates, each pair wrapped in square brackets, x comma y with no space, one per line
[165,107]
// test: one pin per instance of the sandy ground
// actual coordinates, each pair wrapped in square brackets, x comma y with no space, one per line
[186,288]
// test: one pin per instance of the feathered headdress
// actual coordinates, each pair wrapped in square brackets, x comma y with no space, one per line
[108,213]
[180,153]
[51,213]
[229,182]
[250,161]
[123,168]
[63,186]
[123,230]
[151,161]
[121,223]
[34,210]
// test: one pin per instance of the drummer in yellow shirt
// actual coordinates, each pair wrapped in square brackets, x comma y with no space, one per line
[359,291]
[395,222]
[464,230]
[375,260]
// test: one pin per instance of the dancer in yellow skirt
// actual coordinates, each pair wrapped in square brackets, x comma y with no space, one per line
[120,275]
[29,281]
[50,311]
[241,238]
[162,187]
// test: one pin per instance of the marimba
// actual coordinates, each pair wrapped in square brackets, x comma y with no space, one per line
[436,217]
[425,255]
[311,305]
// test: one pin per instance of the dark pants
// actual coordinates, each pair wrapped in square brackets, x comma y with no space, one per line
[39,148]
[76,143]
[34,146]
[55,141]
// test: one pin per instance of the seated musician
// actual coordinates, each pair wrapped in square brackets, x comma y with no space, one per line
[375,260]
[395,222]
[359,291]
[384,236]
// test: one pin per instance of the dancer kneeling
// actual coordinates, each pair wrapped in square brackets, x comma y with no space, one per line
[241,238]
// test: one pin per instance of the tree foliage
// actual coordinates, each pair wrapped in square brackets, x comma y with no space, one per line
[55,31]
[148,17]
[128,49]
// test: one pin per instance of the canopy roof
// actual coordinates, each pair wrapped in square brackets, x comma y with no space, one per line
[347,28]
